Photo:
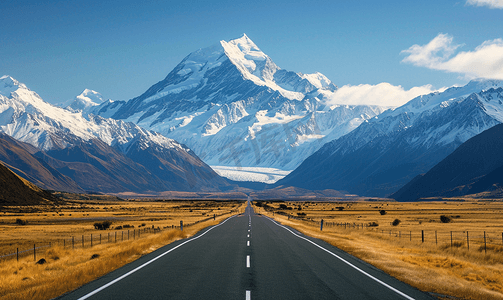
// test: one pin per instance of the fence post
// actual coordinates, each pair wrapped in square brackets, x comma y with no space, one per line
[91,240]
[467,241]
[82,241]
[485,244]
[451,239]
[73,242]
[64,243]
[128,234]
[34,253]
[422,236]
[181,225]
[17,254]
[321,225]
[436,240]
[100,238]
[410,235]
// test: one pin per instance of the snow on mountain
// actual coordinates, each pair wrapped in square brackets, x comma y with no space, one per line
[28,118]
[390,149]
[234,107]
[84,101]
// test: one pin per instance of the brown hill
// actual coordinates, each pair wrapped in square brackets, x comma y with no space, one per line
[16,191]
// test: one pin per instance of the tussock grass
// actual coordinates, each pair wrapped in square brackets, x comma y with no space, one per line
[67,269]
[440,269]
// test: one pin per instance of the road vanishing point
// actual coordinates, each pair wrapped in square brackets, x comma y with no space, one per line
[247,256]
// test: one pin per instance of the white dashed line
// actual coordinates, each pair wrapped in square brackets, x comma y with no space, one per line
[248,295]
[248,243]
[248,261]
[247,235]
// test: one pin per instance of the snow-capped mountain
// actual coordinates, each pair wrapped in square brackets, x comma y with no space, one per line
[387,151]
[110,148]
[234,106]
[83,102]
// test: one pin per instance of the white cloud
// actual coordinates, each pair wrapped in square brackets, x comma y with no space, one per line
[384,94]
[486,61]
[488,3]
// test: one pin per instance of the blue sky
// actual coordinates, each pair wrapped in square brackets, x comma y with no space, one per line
[120,48]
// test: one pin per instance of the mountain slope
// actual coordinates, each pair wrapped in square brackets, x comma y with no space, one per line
[14,154]
[233,106]
[19,192]
[96,152]
[389,150]
[475,166]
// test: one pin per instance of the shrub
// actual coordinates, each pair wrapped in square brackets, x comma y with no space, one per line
[102,225]
[340,208]
[283,206]
[301,214]
[373,224]
[21,222]
[382,212]
[445,219]
[395,222]
[118,227]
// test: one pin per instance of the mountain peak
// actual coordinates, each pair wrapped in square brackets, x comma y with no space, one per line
[87,99]
[9,85]
[91,97]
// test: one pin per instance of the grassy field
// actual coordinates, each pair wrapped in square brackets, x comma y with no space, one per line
[67,268]
[465,268]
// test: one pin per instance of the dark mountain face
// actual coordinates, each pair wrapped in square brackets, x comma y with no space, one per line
[18,192]
[383,154]
[475,166]
[98,167]
[15,155]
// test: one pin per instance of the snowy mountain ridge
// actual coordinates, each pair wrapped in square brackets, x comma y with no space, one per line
[99,154]
[390,149]
[28,118]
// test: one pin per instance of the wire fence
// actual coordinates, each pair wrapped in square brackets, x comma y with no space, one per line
[90,240]
[471,240]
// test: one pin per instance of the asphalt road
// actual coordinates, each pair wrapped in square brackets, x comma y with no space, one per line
[247,257]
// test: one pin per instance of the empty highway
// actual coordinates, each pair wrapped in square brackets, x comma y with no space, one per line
[248,256]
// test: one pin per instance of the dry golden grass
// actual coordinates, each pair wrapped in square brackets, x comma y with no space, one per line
[67,268]
[431,267]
